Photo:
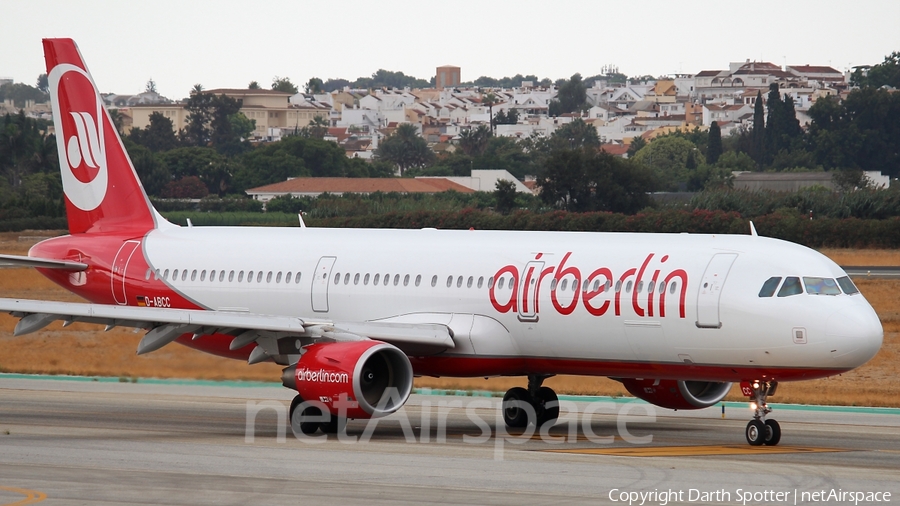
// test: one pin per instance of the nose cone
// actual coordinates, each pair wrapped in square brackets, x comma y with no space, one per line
[854,335]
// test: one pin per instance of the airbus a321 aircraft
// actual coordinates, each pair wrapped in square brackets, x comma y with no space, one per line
[354,315]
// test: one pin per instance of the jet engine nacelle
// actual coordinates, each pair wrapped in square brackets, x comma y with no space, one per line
[677,394]
[350,379]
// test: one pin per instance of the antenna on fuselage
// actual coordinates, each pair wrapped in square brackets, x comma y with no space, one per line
[753,230]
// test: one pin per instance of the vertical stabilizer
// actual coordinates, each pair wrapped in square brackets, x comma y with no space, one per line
[102,190]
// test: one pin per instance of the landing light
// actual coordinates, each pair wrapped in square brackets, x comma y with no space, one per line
[753,405]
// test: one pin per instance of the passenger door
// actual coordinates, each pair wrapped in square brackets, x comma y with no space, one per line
[711,289]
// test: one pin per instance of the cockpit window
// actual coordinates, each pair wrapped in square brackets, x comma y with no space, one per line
[821,286]
[768,288]
[847,286]
[790,287]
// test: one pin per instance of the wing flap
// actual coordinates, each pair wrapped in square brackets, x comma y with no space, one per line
[164,325]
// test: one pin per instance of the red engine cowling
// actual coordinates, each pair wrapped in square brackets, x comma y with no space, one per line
[352,377]
[677,394]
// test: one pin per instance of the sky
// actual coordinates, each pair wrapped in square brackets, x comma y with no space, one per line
[228,43]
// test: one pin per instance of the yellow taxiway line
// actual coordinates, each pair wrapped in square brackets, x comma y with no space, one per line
[691,451]
[31,496]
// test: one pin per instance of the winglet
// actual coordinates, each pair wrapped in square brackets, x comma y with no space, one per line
[753,230]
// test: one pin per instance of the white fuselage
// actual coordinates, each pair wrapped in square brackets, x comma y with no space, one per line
[704,307]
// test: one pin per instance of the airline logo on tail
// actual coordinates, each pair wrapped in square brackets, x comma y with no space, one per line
[83,158]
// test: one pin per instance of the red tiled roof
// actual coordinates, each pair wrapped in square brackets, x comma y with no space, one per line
[812,69]
[615,149]
[361,185]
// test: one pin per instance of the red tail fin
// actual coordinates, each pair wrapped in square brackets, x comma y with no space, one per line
[103,192]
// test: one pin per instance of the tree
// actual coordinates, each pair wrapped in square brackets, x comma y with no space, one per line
[473,141]
[43,83]
[314,85]
[636,144]
[316,129]
[151,86]
[758,134]
[886,73]
[158,136]
[150,168]
[284,84]
[505,196]
[507,118]
[254,85]
[185,188]
[405,148]
[667,157]
[489,99]
[571,97]
[589,180]
[714,144]
[576,134]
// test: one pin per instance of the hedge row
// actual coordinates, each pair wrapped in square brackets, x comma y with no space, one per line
[794,227]
[824,232]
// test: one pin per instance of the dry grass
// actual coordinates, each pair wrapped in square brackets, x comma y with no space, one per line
[86,350]
[869,257]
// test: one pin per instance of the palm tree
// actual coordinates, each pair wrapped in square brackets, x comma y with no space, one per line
[489,99]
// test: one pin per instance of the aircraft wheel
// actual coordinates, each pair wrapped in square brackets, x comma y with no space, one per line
[546,397]
[773,432]
[333,425]
[298,420]
[756,432]
[515,412]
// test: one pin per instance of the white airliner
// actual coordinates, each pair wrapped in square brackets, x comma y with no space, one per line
[354,315]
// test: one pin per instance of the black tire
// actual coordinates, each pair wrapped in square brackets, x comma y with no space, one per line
[515,407]
[547,406]
[298,420]
[332,425]
[755,432]
[773,432]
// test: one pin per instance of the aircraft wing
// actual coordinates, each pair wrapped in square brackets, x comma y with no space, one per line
[164,325]
[7,261]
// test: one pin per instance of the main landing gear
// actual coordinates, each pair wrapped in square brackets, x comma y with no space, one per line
[760,431]
[312,418]
[536,405]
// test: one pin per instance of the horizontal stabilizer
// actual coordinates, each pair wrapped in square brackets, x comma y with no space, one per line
[20,261]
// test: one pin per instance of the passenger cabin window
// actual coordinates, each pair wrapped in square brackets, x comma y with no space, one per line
[406,280]
[259,276]
[377,279]
[249,277]
[821,286]
[297,278]
[387,277]
[790,287]
[433,281]
[480,281]
[175,274]
[337,278]
[278,277]
[222,276]
[203,275]
[288,276]
[240,276]
[184,275]
[230,276]
[769,287]
[847,286]
[419,279]
[397,279]
[347,278]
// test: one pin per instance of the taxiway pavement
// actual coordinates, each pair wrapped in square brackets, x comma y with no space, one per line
[98,442]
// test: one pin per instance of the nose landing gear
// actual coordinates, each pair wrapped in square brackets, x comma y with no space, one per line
[536,405]
[760,431]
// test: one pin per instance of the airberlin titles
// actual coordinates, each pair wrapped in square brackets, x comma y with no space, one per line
[598,290]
